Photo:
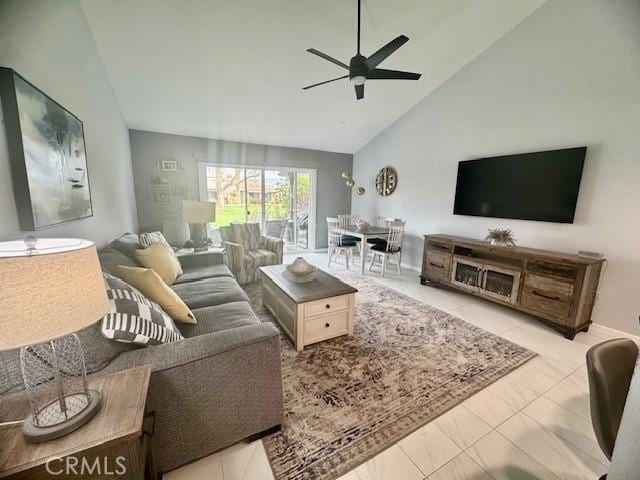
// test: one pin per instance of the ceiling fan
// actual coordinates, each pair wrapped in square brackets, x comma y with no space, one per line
[363,68]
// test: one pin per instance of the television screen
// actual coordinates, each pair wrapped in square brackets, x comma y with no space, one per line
[531,186]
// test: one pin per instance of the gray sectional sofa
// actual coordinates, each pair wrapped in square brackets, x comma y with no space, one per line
[219,385]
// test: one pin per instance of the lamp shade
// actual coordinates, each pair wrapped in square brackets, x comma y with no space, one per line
[48,291]
[194,211]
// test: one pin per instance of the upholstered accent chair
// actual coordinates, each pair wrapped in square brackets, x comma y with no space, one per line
[246,250]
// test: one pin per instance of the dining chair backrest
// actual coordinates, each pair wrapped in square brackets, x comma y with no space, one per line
[394,237]
[385,221]
[348,220]
[334,232]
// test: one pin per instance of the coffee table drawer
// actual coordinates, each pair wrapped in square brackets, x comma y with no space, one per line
[328,326]
[326,305]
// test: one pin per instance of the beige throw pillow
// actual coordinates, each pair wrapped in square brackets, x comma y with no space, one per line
[160,259]
[153,287]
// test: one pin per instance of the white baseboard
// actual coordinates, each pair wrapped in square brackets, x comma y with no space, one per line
[413,268]
[622,334]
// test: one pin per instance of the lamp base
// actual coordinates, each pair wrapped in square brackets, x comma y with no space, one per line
[35,434]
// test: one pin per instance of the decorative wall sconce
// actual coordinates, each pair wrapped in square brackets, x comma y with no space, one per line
[350,182]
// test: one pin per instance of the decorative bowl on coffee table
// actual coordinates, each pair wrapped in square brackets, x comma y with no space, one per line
[300,271]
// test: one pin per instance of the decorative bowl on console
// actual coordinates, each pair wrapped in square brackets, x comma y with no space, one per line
[300,271]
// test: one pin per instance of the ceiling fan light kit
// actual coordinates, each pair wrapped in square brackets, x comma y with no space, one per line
[363,68]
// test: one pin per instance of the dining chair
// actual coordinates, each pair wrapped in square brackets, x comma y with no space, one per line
[348,220]
[391,248]
[337,242]
[382,222]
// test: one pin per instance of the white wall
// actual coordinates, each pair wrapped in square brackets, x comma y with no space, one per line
[569,75]
[50,44]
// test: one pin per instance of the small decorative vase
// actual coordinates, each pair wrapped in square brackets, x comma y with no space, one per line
[502,237]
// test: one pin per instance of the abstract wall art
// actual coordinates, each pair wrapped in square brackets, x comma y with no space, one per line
[47,155]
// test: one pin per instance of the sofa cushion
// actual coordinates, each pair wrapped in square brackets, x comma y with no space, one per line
[246,234]
[220,317]
[127,244]
[154,288]
[210,291]
[259,258]
[110,259]
[200,272]
[161,259]
[133,318]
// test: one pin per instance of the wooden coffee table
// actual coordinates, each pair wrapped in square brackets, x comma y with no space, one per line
[309,312]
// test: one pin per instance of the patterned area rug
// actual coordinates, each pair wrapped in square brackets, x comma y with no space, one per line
[350,398]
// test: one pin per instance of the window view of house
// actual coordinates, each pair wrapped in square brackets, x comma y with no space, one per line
[278,199]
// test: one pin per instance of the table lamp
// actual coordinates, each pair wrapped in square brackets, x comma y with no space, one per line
[199,213]
[50,288]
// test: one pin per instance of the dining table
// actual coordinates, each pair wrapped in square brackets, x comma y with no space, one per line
[364,233]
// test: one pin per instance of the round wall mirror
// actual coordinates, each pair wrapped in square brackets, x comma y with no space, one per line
[386,181]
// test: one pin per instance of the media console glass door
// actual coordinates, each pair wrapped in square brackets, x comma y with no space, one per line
[496,282]
[466,274]
[500,283]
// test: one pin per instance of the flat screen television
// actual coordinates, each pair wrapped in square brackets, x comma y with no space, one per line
[539,186]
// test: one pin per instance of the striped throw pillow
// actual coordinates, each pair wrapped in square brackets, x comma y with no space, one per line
[133,318]
[147,239]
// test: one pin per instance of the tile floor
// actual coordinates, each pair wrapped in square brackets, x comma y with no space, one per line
[532,424]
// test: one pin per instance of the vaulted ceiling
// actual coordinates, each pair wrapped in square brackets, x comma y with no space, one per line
[234,69]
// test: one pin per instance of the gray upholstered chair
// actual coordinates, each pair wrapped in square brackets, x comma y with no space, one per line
[246,250]
[610,366]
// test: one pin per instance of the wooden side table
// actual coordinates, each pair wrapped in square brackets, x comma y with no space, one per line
[114,444]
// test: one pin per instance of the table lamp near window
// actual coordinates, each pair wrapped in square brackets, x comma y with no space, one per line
[199,214]
[49,289]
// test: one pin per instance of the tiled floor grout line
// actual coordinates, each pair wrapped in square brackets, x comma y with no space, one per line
[514,445]
[409,456]
[562,438]
[539,396]
[463,451]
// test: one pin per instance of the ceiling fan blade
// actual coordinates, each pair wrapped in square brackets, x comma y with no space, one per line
[375,59]
[327,57]
[383,74]
[359,92]
[326,81]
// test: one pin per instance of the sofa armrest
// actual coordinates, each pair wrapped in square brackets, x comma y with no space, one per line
[211,391]
[234,256]
[276,245]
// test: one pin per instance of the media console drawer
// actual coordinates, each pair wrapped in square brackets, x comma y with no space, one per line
[545,304]
[437,265]
[548,288]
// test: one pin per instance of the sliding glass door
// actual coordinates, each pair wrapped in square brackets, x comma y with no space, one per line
[281,200]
